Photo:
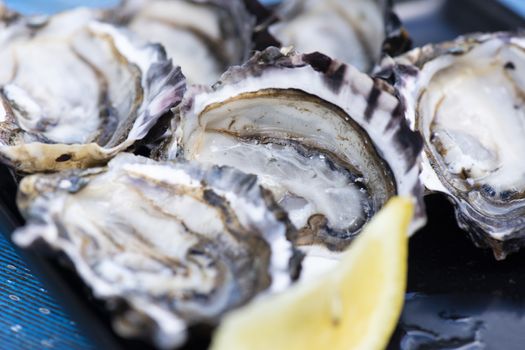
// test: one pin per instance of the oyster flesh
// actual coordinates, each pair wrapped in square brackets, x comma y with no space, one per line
[351,31]
[74,91]
[327,140]
[170,245]
[467,99]
[204,37]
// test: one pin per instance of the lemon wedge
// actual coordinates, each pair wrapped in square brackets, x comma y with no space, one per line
[354,306]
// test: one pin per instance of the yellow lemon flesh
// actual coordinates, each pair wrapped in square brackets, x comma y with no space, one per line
[354,306]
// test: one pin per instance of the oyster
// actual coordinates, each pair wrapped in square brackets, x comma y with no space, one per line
[466,97]
[74,91]
[327,140]
[204,37]
[351,31]
[176,244]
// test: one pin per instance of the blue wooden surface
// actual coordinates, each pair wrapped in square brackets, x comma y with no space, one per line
[517,6]
[30,317]
[50,6]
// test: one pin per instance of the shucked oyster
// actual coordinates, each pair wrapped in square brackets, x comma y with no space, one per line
[177,243]
[204,37]
[352,31]
[74,91]
[466,97]
[327,140]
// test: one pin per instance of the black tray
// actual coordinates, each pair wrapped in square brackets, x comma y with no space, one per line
[458,297]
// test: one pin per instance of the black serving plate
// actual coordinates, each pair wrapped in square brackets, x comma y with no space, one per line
[458,296]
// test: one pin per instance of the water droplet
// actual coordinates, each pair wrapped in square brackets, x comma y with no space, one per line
[44,310]
[11,267]
[16,328]
[14,297]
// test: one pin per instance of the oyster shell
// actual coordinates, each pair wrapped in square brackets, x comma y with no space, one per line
[327,140]
[466,98]
[178,244]
[204,37]
[74,91]
[351,31]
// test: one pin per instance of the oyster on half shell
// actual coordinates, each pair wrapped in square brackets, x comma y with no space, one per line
[352,31]
[74,91]
[327,140]
[204,37]
[171,244]
[467,99]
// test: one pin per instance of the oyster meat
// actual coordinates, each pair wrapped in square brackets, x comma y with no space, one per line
[204,37]
[170,245]
[327,140]
[351,31]
[466,97]
[74,91]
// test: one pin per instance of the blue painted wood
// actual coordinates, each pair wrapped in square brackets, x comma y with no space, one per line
[30,317]
[518,6]
[52,6]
